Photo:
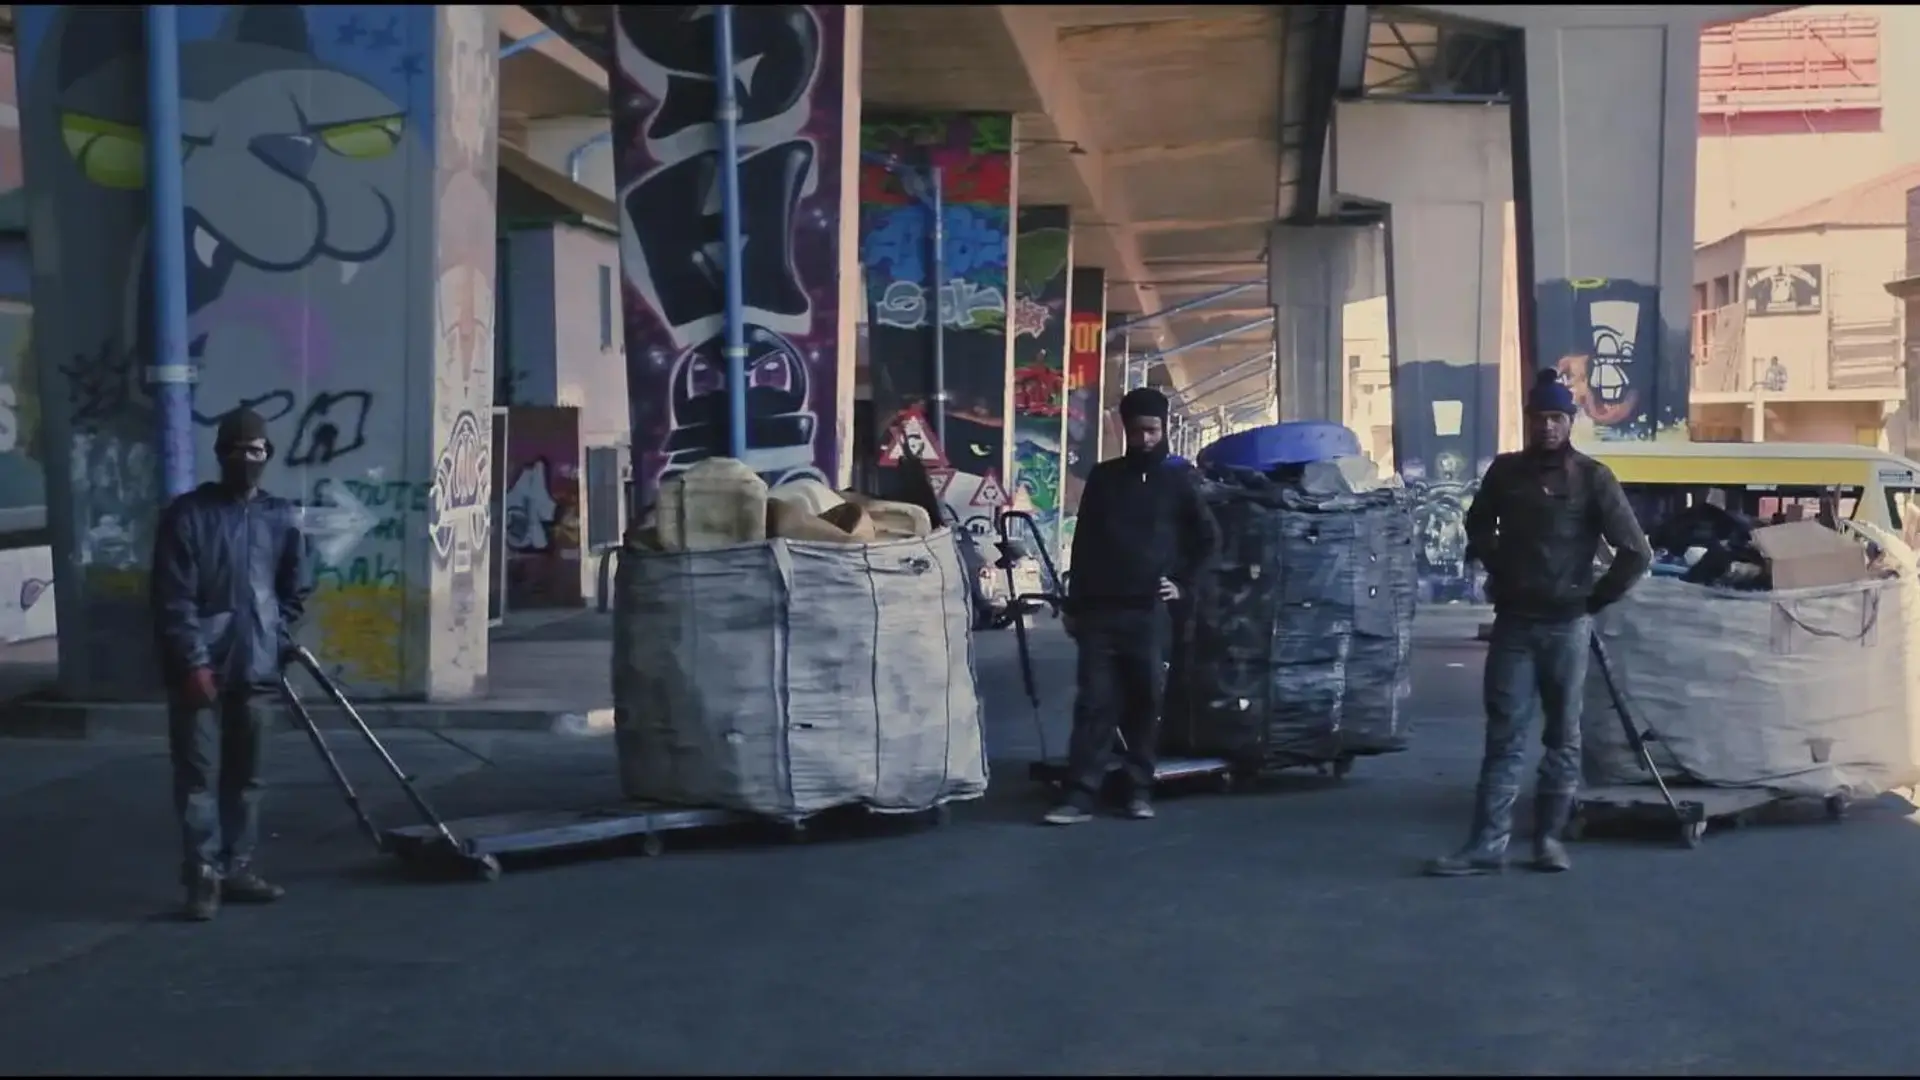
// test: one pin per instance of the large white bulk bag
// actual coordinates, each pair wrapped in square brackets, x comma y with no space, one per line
[784,678]
[1809,692]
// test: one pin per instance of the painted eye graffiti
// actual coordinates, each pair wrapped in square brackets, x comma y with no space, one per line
[363,140]
[110,154]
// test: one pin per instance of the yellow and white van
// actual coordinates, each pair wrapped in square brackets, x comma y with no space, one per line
[1762,480]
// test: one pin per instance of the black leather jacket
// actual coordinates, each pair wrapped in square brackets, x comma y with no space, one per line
[229,585]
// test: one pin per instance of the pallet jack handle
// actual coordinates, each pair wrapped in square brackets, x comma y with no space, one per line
[332,690]
[1635,738]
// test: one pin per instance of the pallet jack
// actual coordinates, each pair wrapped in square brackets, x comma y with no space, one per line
[1689,815]
[476,845]
[1050,770]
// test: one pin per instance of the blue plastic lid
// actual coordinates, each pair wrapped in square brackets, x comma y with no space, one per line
[1296,443]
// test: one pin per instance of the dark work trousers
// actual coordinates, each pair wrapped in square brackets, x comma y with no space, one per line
[216,754]
[1122,677]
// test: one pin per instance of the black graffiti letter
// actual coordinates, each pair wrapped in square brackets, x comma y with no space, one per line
[333,425]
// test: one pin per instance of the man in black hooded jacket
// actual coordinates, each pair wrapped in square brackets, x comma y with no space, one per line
[229,586]
[1143,536]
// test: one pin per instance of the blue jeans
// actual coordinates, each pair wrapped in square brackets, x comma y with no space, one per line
[1534,665]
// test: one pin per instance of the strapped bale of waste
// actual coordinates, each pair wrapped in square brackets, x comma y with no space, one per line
[1303,635]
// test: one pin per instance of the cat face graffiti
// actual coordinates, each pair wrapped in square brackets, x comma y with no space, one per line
[280,153]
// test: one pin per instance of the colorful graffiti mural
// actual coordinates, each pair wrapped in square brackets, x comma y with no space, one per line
[975,159]
[1606,338]
[1446,432]
[1043,257]
[306,135]
[666,141]
[540,507]
[1086,336]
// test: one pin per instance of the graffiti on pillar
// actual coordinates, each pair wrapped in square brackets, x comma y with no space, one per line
[301,145]
[1042,259]
[1605,337]
[1086,335]
[973,154]
[1445,433]
[787,79]
[540,508]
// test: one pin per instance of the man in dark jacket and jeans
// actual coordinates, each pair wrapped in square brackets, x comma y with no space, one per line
[228,588]
[1142,537]
[1536,526]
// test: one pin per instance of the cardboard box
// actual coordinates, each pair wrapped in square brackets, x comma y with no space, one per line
[1806,555]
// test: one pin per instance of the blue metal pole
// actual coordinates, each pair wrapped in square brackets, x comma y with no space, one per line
[939,314]
[526,43]
[735,351]
[170,369]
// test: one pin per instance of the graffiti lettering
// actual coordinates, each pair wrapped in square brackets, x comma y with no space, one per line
[333,425]
[361,570]
[102,387]
[963,306]
[671,243]
[899,249]
[528,508]
[462,483]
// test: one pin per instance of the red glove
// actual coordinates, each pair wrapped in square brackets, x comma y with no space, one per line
[201,689]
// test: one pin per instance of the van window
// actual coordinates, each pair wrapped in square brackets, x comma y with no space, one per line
[1759,503]
[1903,510]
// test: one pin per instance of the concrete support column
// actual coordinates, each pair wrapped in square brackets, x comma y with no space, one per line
[1604,148]
[974,155]
[1444,172]
[1087,331]
[798,71]
[1314,272]
[339,187]
[1042,303]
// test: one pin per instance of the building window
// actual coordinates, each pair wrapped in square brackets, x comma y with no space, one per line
[606,308]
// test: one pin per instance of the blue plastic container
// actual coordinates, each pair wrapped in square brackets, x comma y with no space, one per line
[1265,448]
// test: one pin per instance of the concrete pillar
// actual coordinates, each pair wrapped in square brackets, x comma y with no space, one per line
[1445,175]
[797,84]
[1043,259]
[1116,378]
[1087,330]
[1605,143]
[1313,273]
[974,153]
[339,183]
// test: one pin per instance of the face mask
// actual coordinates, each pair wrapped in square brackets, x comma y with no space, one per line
[241,474]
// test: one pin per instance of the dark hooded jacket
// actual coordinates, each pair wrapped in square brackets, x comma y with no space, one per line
[229,585]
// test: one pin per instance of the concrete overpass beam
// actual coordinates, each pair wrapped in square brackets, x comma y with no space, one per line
[799,140]
[575,144]
[1314,272]
[1445,173]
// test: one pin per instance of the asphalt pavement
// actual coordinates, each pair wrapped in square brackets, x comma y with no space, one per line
[1283,930]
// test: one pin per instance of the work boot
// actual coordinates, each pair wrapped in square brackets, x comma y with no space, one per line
[1486,848]
[1550,815]
[1067,814]
[243,886]
[203,894]
[1139,808]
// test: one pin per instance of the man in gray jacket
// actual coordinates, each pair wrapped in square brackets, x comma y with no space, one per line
[228,588]
[1535,526]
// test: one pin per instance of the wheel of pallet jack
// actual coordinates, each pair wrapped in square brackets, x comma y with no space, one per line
[652,845]
[943,815]
[1341,767]
[486,868]
[797,832]
[1836,807]
[1692,833]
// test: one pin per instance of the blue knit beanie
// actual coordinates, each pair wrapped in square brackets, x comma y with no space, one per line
[1549,394]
